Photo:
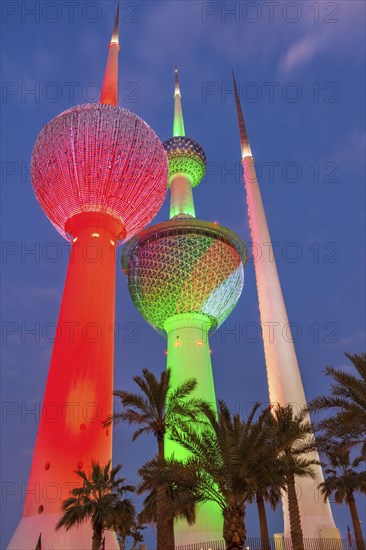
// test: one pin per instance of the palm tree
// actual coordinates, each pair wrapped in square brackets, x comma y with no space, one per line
[129,528]
[269,483]
[181,485]
[135,533]
[292,436]
[99,499]
[226,454]
[347,402]
[156,410]
[343,479]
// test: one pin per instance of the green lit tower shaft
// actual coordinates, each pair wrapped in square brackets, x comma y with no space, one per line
[185,276]
[188,352]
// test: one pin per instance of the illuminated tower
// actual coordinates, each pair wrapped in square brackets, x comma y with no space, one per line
[185,276]
[100,174]
[283,374]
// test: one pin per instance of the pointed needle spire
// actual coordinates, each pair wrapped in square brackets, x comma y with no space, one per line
[177,88]
[244,141]
[109,93]
[115,35]
[178,125]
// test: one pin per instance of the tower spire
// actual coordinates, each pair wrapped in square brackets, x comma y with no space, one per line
[244,141]
[115,35]
[187,163]
[283,373]
[109,93]
[178,125]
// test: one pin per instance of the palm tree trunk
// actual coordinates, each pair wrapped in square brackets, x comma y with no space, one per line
[263,527]
[97,536]
[294,513]
[360,544]
[170,531]
[234,527]
[165,531]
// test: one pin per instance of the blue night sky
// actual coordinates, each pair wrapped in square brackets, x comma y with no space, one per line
[300,69]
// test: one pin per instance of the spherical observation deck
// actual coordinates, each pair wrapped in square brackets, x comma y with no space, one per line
[185,266]
[99,158]
[185,156]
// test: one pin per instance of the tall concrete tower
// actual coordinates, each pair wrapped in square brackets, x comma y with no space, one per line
[100,174]
[185,276]
[283,373]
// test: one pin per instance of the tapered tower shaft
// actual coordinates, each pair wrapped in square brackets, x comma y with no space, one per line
[85,178]
[185,276]
[187,333]
[181,197]
[79,388]
[283,373]
[189,357]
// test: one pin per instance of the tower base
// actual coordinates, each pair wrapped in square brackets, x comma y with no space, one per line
[326,539]
[80,538]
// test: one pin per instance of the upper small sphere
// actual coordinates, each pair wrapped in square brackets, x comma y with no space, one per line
[99,158]
[185,156]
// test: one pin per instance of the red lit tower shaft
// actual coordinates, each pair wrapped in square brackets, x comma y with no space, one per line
[79,389]
[78,394]
[84,174]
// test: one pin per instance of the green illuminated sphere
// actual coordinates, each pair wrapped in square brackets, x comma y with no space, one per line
[185,156]
[185,266]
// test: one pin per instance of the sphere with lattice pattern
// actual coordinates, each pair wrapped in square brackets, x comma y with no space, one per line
[185,266]
[185,156]
[99,158]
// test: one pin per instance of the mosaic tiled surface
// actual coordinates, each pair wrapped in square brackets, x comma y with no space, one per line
[185,266]
[186,156]
[99,158]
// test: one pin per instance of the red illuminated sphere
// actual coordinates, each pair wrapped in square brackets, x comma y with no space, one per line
[99,158]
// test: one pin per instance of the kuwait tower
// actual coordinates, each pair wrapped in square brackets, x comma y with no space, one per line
[185,276]
[100,174]
[283,374]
